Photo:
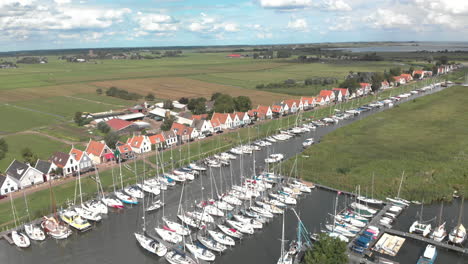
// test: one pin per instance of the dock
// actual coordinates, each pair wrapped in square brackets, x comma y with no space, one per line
[333,189]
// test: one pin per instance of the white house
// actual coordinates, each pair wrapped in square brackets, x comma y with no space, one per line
[203,126]
[99,152]
[235,120]
[290,106]
[140,144]
[170,137]
[224,119]
[83,159]
[264,112]
[66,162]
[243,118]
[8,185]
[24,175]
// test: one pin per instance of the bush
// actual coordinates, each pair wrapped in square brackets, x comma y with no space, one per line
[103,127]
[122,94]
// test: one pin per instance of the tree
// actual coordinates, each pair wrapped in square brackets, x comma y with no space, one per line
[197,105]
[327,250]
[395,71]
[283,54]
[99,91]
[111,139]
[168,104]
[242,103]
[78,118]
[443,60]
[377,80]
[150,97]
[184,100]
[351,84]
[167,123]
[3,148]
[224,104]
[28,156]
[215,96]
[103,127]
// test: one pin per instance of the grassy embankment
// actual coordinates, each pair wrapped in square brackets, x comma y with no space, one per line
[425,137]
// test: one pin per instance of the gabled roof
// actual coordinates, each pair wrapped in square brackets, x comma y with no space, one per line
[181,129]
[78,154]
[215,122]
[344,91]
[309,100]
[60,159]
[398,78]
[241,115]
[199,117]
[365,85]
[96,148]
[155,139]
[221,117]
[2,180]
[124,148]
[169,134]
[290,102]
[233,116]
[263,109]
[252,112]
[118,124]
[385,82]
[420,72]
[17,169]
[325,93]
[318,99]
[136,141]
[276,108]
[43,166]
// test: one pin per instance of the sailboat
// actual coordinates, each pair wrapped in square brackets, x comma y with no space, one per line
[458,234]
[108,201]
[419,227]
[212,244]
[370,200]
[177,257]
[20,239]
[232,232]
[440,232]
[33,231]
[222,238]
[285,257]
[201,252]
[82,211]
[148,243]
[127,199]
[397,200]
[96,205]
[51,225]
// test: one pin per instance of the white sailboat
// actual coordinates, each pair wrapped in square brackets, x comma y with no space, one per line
[33,231]
[169,235]
[245,228]
[200,252]
[458,234]
[285,257]
[419,227]
[440,232]
[177,257]
[222,238]
[20,239]
[81,210]
[232,232]
[212,244]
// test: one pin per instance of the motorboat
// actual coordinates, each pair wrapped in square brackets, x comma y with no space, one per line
[126,198]
[222,238]
[95,206]
[230,231]
[34,232]
[177,257]
[20,239]
[211,244]
[439,233]
[169,235]
[54,228]
[88,215]
[201,252]
[154,206]
[134,191]
[429,256]
[151,245]
[242,227]
[113,203]
[178,228]
[74,220]
[420,228]
[308,142]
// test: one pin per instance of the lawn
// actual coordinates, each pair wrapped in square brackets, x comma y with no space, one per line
[42,146]
[18,119]
[425,138]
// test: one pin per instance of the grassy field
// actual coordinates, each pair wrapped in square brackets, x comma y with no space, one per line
[16,119]
[426,138]
[40,145]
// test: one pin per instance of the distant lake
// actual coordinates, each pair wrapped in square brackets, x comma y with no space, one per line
[408,47]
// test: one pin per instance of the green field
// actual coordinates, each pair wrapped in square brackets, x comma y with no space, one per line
[42,146]
[425,138]
[16,119]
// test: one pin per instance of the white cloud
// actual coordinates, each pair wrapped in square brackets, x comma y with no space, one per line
[69,36]
[388,19]
[264,35]
[62,2]
[285,4]
[336,5]
[157,22]
[299,24]
[344,23]
[455,7]
[207,24]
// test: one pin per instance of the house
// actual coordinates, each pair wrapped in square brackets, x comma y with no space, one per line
[170,138]
[234,56]
[244,118]
[235,120]
[320,100]
[161,113]
[366,88]
[216,124]
[125,151]
[344,93]
[224,119]
[185,118]
[23,175]
[277,110]
[385,85]
[200,117]
[419,74]
[407,77]
[428,73]
[86,164]
[121,126]
[139,144]
[158,141]
[203,126]
[441,70]
[292,107]
[47,168]
[397,80]
[99,152]
[8,185]
[328,93]
[66,162]
[307,102]
[264,111]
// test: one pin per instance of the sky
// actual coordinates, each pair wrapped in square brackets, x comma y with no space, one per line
[62,24]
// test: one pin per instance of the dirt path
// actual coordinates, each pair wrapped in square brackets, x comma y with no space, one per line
[33,132]
[92,101]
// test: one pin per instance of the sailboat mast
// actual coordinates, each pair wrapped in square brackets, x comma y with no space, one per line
[282,240]
[79,186]
[440,213]
[401,182]
[120,171]
[27,207]
[372,190]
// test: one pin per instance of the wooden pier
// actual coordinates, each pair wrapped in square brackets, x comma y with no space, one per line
[333,189]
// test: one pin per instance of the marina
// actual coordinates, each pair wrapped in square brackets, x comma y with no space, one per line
[116,229]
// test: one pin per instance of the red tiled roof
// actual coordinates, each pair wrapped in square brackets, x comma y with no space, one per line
[215,122]
[290,102]
[276,108]
[365,85]
[420,72]
[179,128]
[96,148]
[241,115]
[118,124]
[199,117]
[252,112]
[344,91]
[309,100]
[136,141]
[325,93]
[234,55]
[125,148]
[77,153]
[155,139]
[397,78]
[263,109]
[233,116]
[221,117]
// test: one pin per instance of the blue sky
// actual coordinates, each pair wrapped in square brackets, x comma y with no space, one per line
[52,24]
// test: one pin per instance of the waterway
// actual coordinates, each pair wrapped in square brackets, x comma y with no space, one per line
[112,240]
[410,47]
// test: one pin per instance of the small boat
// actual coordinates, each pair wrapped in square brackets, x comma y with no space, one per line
[168,235]
[95,206]
[126,198]
[154,206]
[458,235]
[439,233]
[222,238]
[151,245]
[34,232]
[204,217]
[339,236]
[191,222]
[341,230]
[149,188]
[177,257]
[253,222]
[88,215]
[261,211]
[222,205]
[420,228]
[230,231]
[369,200]
[74,220]
[196,167]
[54,228]
[398,201]
[201,252]
[20,239]
[210,209]
[429,256]
[212,244]
[113,203]
[308,142]
[134,191]
[178,228]
[242,227]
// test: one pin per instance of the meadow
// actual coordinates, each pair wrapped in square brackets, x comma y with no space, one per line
[425,138]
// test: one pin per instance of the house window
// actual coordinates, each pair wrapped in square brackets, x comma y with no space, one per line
[5,191]
[12,188]
[68,170]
